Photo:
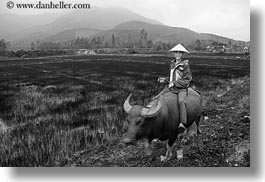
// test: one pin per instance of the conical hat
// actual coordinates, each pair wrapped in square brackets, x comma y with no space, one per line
[179,47]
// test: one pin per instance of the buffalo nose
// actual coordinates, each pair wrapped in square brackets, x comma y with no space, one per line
[128,141]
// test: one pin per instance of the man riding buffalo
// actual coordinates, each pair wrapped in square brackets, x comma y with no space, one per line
[179,81]
[171,112]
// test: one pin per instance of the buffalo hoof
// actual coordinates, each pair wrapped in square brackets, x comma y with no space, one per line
[164,158]
[152,157]
[149,152]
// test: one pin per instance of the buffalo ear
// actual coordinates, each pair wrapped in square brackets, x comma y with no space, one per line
[152,111]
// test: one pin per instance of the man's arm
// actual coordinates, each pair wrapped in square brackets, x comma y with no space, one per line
[186,78]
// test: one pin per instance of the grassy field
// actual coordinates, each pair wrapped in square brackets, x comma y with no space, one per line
[68,111]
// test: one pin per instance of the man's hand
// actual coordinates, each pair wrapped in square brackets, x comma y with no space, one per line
[161,80]
[171,84]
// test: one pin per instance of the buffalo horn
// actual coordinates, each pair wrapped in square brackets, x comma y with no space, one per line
[127,106]
[152,111]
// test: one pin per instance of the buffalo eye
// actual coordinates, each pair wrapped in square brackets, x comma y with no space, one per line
[139,122]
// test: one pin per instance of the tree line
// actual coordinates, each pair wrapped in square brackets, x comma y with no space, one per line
[131,41]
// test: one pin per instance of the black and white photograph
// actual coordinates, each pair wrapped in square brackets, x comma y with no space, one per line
[125,83]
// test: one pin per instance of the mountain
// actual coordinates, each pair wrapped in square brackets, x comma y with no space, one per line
[25,43]
[67,35]
[94,18]
[130,31]
[72,34]
[125,25]
[12,25]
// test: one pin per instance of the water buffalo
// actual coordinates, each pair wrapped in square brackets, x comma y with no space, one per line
[160,119]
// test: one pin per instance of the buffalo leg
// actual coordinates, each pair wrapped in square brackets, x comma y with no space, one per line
[186,136]
[169,150]
[197,121]
[148,147]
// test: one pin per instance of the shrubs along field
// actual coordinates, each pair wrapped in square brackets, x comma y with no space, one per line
[68,111]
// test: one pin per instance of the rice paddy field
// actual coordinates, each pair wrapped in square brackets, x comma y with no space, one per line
[68,111]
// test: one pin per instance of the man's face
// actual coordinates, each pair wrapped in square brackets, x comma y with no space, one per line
[178,55]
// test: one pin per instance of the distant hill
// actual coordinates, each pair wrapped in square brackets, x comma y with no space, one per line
[13,25]
[67,35]
[125,25]
[94,18]
[72,34]
[131,30]
[164,33]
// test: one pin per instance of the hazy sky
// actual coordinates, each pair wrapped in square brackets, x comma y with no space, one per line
[229,18]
